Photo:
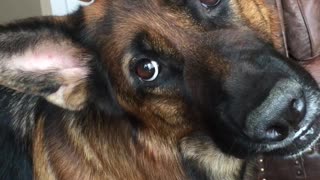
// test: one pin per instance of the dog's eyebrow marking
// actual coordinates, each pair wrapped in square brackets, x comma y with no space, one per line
[160,44]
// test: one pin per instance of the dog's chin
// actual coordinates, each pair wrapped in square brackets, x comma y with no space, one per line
[300,144]
[293,146]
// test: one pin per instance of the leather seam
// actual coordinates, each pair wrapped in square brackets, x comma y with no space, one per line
[313,57]
[309,60]
[306,24]
[279,7]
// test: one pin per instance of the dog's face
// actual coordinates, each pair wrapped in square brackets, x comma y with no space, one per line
[154,88]
[179,80]
[210,66]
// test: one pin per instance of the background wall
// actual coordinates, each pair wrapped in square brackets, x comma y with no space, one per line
[46,7]
[16,9]
[62,7]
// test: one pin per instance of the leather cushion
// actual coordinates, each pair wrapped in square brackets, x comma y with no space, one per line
[302,26]
[305,167]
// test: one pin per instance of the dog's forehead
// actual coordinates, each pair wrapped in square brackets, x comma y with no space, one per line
[162,21]
[174,20]
[183,11]
[130,8]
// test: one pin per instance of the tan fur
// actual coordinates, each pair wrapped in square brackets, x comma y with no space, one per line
[101,155]
[74,96]
[96,11]
[103,148]
[261,17]
[42,169]
[216,164]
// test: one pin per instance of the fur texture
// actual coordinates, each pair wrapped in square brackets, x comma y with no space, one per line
[74,106]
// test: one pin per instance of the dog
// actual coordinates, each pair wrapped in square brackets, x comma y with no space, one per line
[150,89]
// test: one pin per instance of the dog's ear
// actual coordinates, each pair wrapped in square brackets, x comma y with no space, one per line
[40,58]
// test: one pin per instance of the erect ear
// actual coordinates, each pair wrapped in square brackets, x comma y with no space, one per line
[47,64]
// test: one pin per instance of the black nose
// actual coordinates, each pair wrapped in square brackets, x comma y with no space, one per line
[279,114]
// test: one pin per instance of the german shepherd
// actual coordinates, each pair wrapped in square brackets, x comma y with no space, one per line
[150,89]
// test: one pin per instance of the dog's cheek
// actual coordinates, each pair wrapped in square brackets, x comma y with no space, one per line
[202,157]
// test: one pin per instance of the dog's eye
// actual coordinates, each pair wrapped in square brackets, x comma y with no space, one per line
[209,3]
[147,69]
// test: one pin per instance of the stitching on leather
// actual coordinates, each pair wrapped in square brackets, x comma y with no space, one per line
[300,5]
[303,168]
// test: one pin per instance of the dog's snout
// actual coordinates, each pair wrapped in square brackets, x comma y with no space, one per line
[279,114]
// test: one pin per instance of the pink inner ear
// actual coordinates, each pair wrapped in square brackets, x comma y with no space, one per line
[48,57]
[314,69]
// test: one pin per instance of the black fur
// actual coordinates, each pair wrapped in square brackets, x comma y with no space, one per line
[15,132]
[219,99]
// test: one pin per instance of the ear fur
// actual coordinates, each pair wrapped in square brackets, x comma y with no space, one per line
[50,65]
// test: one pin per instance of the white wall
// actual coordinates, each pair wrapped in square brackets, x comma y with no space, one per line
[62,7]
[59,7]
[46,7]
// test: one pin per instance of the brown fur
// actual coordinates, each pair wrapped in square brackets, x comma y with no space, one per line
[262,17]
[42,169]
[153,154]
[216,164]
[118,149]
[99,155]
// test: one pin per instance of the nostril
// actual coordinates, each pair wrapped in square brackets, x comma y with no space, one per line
[276,133]
[298,105]
[279,115]
[297,110]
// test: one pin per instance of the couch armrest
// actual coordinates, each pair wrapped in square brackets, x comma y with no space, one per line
[302,26]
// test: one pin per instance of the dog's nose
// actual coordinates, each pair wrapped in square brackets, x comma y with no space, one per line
[279,114]
[286,122]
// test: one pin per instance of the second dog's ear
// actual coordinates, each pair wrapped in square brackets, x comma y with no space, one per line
[44,61]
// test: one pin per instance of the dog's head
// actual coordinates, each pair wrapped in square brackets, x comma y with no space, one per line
[209,66]
[182,67]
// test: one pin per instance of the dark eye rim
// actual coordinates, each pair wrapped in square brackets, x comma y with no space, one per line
[209,6]
[155,63]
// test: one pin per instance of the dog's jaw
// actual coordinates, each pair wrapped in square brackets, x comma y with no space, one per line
[201,155]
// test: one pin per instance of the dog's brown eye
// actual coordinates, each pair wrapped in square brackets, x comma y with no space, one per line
[209,3]
[147,70]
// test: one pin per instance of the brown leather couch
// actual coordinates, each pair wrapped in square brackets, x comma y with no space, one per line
[301,38]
